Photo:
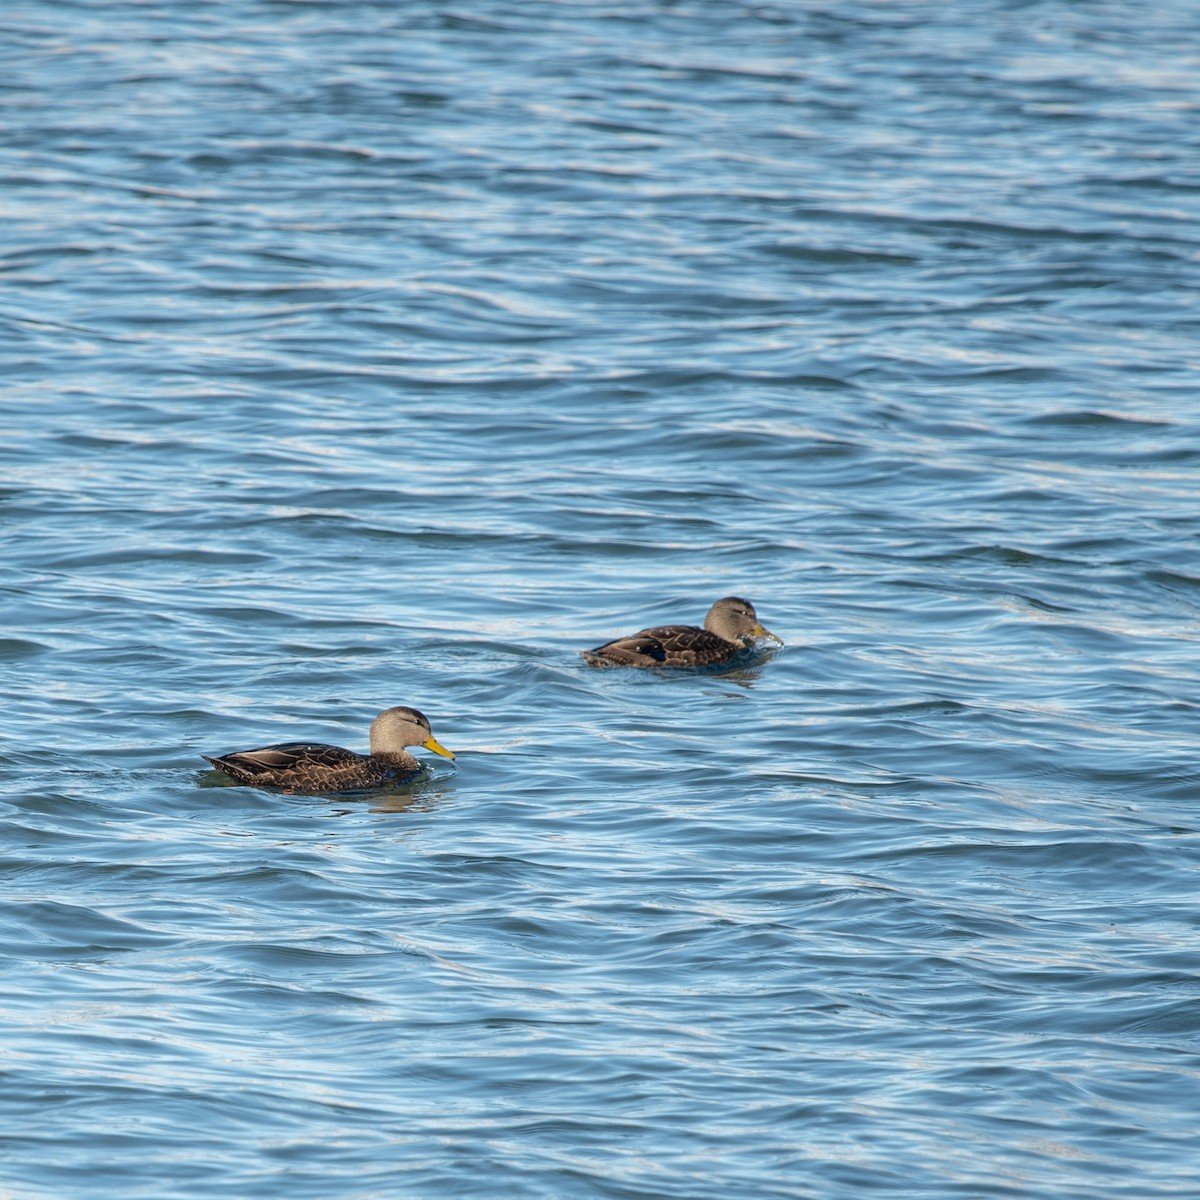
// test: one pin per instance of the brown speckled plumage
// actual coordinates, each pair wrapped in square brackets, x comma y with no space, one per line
[729,629]
[315,767]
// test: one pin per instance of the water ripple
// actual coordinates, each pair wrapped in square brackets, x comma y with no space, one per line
[394,354]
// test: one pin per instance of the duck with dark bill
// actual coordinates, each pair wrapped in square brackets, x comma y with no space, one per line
[730,629]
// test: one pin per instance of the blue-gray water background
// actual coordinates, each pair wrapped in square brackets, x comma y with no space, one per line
[359,354]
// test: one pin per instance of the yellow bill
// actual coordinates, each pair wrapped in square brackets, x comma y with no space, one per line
[431,743]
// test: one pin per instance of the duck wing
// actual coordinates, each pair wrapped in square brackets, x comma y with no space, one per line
[691,646]
[637,650]
[665,646]
[304,767]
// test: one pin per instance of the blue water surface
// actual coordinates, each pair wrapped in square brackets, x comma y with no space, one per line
[363,354]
